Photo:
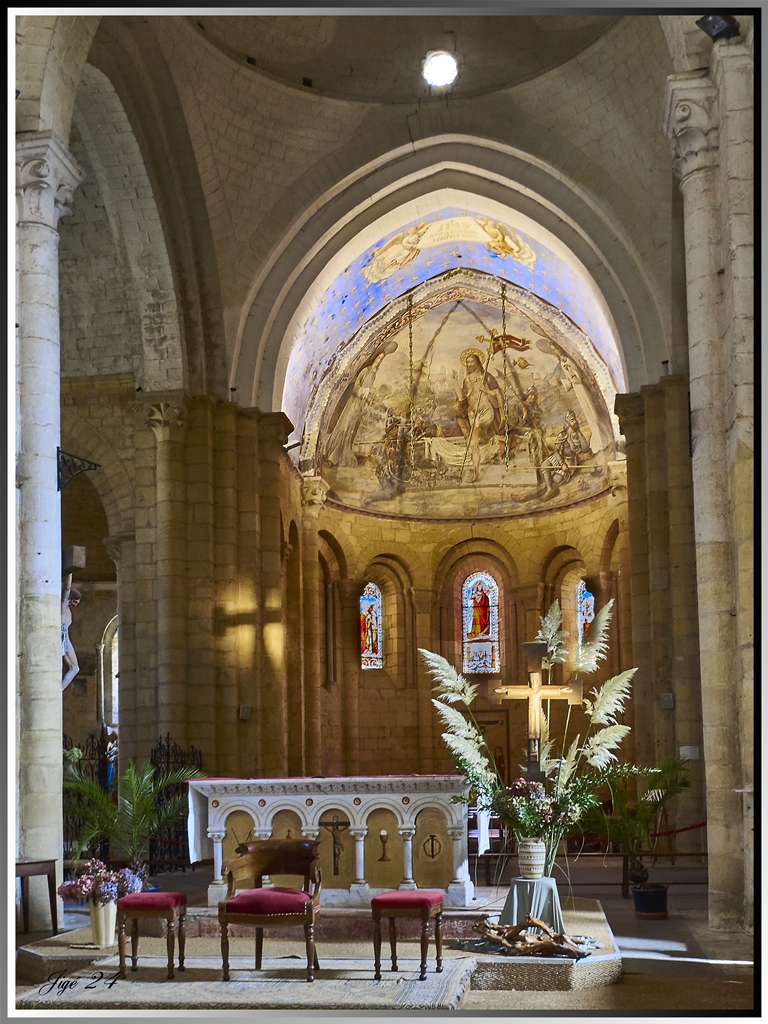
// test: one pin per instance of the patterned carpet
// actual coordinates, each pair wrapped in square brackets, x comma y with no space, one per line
[342,984]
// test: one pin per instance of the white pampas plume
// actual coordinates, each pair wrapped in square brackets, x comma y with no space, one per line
[609,699]
[598,749]
[552,635]
[589,654]
[452,687]
[546,763]
[567,765]
[457,724]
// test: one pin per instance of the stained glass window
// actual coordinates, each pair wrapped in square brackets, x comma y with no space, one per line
[371,628]
[480,623]
[585,613]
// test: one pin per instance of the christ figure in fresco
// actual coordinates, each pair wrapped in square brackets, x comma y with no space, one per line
[479,405]
[481,612]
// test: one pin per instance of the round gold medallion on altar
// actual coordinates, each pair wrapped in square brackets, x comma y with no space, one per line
[357,801]
[214,803]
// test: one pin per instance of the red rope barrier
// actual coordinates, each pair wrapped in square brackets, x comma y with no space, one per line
[674,831]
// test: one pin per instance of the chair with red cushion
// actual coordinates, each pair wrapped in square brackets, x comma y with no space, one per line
[170,905]
[423,903]
[262,906]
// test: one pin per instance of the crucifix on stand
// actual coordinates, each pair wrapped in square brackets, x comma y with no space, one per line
[535,692]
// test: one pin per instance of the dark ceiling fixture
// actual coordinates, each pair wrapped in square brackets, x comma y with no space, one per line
[719,26]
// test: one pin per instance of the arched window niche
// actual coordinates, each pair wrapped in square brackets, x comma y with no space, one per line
[371,628]
[585,614]
[480,624]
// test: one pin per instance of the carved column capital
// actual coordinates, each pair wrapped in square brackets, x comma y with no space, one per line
[275,427]
[630,409]
[349,591]
[47,177]
[456,832]
[114,545]
[423,601]
[217,836]
[164,413]
[407,832]
[690,121]
[314,491]
[358,834]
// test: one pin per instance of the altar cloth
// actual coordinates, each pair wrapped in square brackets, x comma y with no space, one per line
[535,896]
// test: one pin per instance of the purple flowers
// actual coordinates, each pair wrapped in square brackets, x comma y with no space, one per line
[95,882]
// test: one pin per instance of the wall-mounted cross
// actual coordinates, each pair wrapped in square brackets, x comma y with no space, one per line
[535,692]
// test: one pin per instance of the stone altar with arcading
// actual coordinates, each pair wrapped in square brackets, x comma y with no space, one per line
[211,801]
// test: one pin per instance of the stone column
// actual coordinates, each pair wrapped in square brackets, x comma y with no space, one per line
[461,890]
[349,594]
[691,121]
[164,414]
[407,833]
[217,888]
[274,429]
[121,548]
[631,413]
[46,179]
[359,883]
[424,605]
[313,492]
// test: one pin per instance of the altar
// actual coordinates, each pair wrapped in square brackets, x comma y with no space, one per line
[376,833]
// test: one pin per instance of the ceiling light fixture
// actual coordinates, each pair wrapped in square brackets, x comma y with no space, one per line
[439,68]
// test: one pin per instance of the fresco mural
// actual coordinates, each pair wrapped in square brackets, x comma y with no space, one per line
[465,404]
[454,238]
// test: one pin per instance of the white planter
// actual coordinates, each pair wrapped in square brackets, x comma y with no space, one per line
[531,857]
[103,918]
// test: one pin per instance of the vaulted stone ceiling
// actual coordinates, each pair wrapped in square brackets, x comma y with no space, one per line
[378,58]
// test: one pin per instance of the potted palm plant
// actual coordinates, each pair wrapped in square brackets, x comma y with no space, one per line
[136,817]
[630,825]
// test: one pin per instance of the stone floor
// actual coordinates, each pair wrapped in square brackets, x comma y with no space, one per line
[681,952]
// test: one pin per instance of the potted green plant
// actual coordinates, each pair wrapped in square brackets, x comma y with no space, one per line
[136,817]
[631,823]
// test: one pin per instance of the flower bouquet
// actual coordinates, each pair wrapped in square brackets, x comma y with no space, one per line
[574,775]
[101,888]
[94,882]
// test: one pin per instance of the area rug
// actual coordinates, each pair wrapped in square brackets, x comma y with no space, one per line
[342,984]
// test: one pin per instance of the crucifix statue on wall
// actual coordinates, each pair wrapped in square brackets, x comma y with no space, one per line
[535,692]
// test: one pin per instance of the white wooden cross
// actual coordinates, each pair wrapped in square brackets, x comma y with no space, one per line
[535,692]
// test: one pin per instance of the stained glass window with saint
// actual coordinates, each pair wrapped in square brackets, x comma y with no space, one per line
[585,613]
[480,623]
[371,628]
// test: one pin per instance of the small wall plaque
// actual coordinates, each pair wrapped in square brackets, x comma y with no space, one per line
[690,753]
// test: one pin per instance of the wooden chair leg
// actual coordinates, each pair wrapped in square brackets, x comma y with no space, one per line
[134,943]
[182,936]
[170,936]
[224,950]
[393,942]
[309,933]
[377,948]
[259,947]
[121,941]
[25,901]
[424,946]
[439,941]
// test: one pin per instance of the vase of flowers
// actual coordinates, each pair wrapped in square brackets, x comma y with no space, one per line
[531,857]
[571,777]
[101,888]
